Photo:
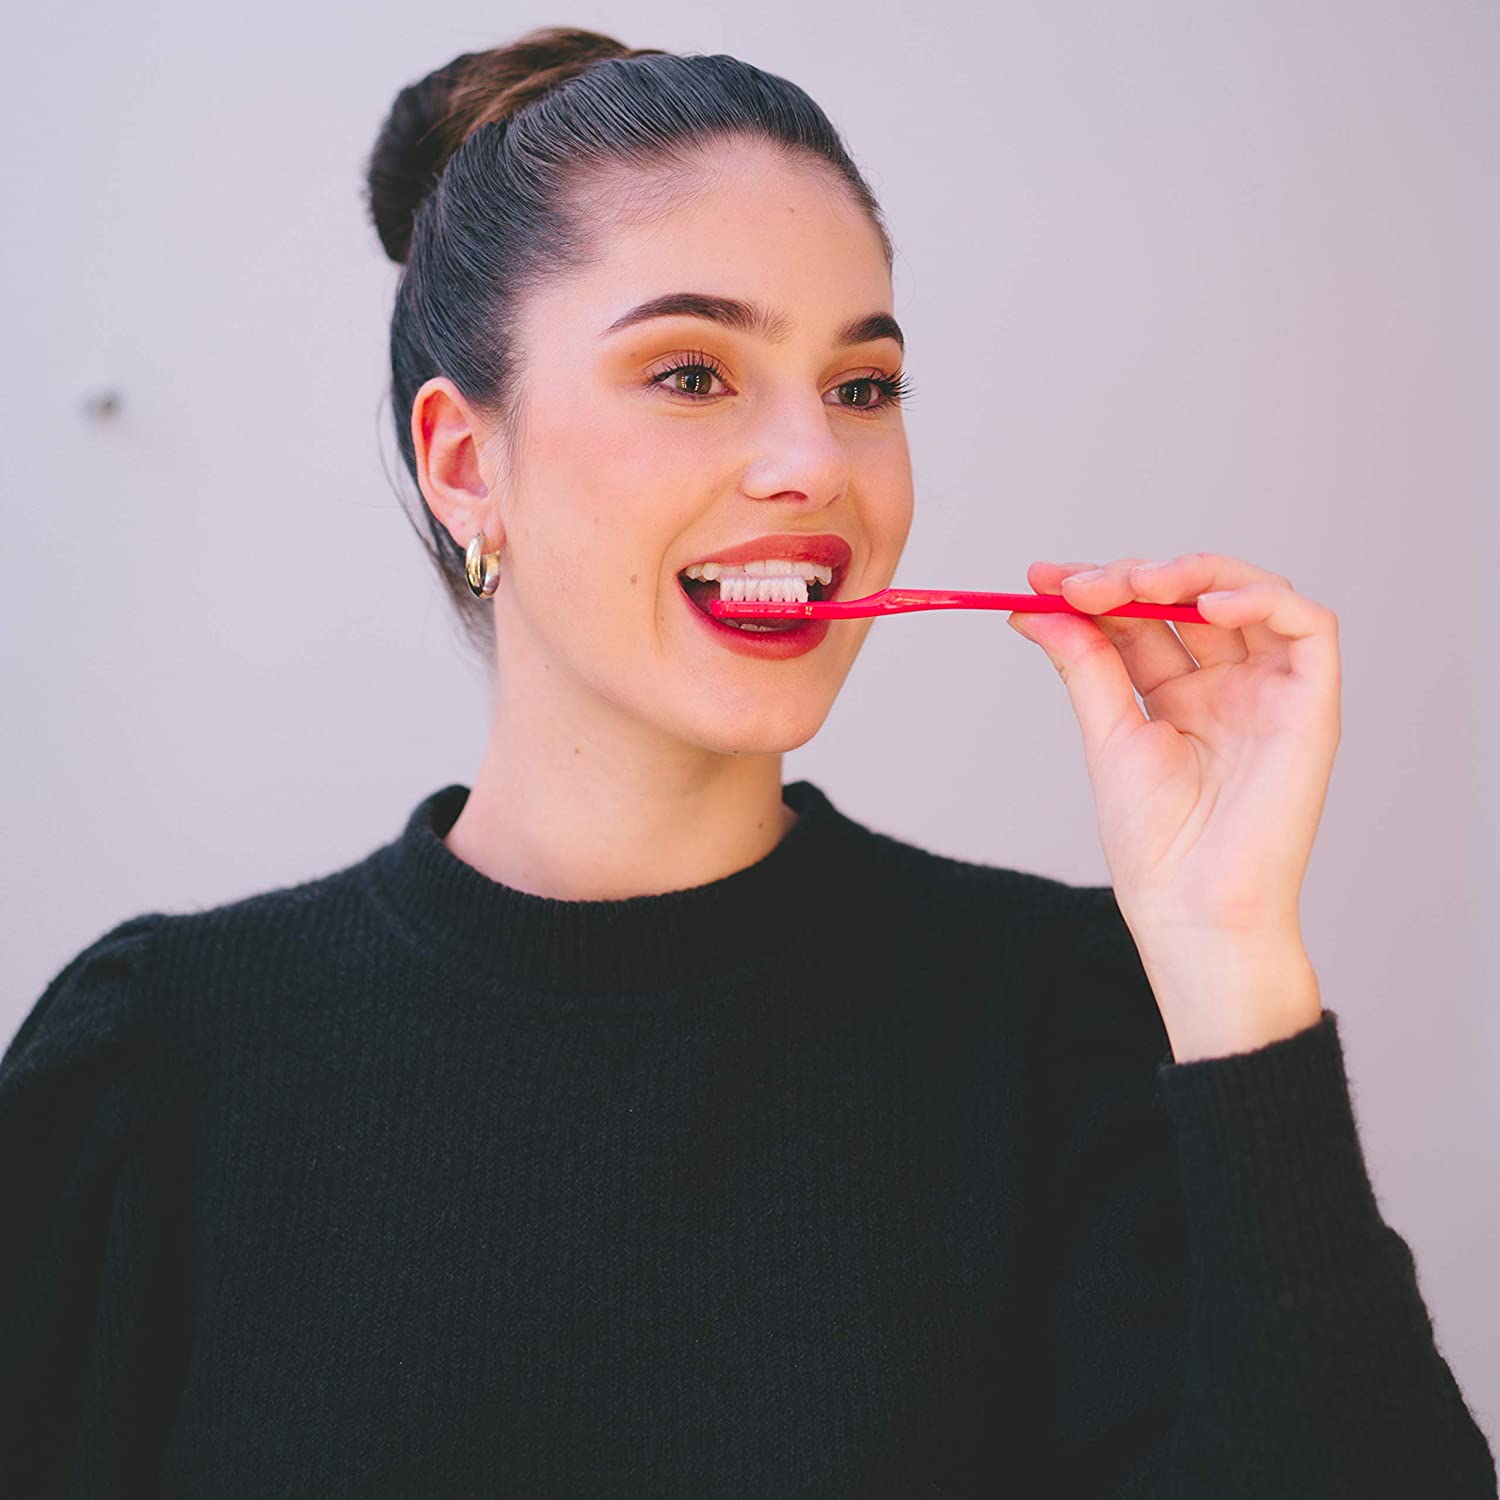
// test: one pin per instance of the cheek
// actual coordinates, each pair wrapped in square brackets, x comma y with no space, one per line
[888,512]
[619,477]
[578,520]
[661,478]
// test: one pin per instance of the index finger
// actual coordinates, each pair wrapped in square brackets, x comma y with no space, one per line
[1191,574]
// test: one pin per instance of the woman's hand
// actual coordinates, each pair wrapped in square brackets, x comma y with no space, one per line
[1209,800]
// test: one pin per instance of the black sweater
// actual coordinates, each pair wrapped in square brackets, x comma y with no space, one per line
[860,1172]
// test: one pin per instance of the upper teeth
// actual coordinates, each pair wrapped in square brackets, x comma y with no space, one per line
[772,567]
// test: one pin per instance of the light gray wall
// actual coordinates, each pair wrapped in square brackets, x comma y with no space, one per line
[1175,277]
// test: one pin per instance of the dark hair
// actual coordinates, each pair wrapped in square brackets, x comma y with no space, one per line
[494,174]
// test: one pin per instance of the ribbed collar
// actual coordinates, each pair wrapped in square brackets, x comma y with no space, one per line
[483,932]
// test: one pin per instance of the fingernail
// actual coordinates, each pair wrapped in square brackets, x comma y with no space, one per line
[1084,577]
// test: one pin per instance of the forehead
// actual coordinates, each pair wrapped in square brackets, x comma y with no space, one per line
[789,243]
[748,207]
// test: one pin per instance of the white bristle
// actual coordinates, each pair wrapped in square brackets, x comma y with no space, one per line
[768,568]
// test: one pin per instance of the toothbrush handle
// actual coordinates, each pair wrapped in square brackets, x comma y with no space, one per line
[900,601]
[894,601]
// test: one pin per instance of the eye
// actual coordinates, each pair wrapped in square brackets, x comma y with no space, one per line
[702,369]
[894,390]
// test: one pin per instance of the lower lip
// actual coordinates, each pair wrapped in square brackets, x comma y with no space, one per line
[768,645]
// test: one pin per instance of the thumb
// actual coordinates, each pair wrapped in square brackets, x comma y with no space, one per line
[1092,670]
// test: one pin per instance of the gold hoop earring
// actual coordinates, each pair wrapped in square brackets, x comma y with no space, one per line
[484,577]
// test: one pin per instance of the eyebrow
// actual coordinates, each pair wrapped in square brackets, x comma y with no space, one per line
[752,318]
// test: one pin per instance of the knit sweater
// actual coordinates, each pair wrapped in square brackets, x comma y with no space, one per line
[860,1172]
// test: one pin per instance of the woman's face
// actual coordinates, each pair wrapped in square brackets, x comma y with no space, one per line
[625,473]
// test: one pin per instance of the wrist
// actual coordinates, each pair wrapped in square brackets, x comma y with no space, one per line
[1221,994]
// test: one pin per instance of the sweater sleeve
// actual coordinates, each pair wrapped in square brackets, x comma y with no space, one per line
[1230,1314]
[87,1268]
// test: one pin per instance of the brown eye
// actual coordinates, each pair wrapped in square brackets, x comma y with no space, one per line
[894,389]
[698,369]
[700,377]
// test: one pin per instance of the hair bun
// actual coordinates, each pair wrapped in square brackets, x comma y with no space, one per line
[432,118]
[409,155]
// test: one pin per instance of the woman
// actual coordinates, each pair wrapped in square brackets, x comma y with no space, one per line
[633,1125]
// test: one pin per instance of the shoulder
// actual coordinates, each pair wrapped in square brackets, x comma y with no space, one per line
[1067,946]
[150,981]
[1063,950]
[280,925]
[943,885]
[97,997]
[1045,920]
[84,1064]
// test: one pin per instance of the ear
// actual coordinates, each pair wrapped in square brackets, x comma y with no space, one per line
[447,437]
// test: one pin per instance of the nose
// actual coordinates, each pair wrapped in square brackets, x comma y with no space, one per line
[803,458]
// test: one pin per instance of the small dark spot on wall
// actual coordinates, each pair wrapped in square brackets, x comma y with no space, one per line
[101,405]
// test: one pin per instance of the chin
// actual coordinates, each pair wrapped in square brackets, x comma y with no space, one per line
[725,736]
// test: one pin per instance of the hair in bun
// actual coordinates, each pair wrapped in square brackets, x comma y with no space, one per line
[431,118]
[410,153]
[478,185]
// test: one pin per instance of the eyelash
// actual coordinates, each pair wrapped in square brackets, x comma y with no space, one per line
[896,388]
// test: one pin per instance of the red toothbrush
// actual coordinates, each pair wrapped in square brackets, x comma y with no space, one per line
[903,601]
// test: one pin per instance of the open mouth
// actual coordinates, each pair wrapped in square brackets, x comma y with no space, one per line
[703,591]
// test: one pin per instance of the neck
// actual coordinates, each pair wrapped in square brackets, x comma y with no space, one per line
[551,816]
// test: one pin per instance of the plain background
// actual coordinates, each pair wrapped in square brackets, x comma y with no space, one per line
[1175,276]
